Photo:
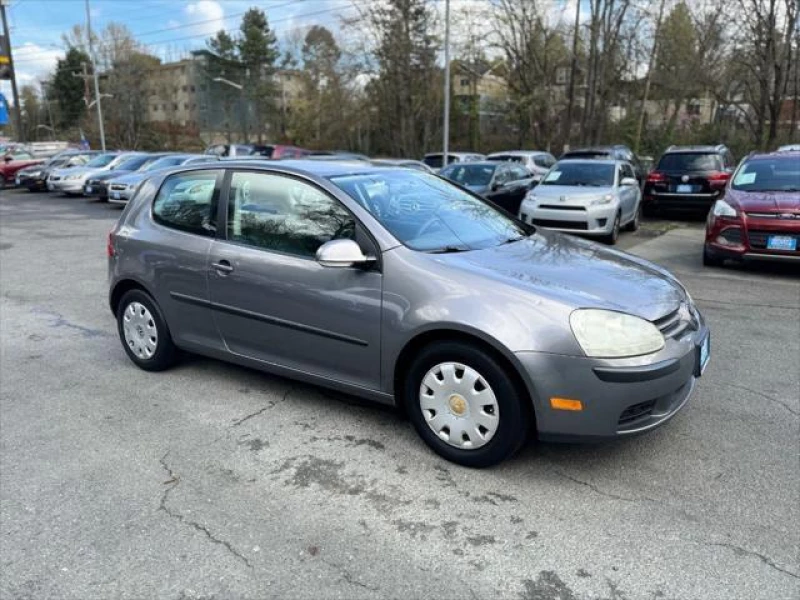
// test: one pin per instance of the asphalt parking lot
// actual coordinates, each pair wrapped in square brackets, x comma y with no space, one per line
[214,481]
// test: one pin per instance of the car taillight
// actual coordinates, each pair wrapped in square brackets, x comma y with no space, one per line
[718,178]
[656,177]
[110,244]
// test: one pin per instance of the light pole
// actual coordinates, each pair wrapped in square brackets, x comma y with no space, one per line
[93,102]
[240,87]
[233,84]
[446,141]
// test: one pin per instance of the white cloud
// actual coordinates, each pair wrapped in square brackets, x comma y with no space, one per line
[208,15]
[35,62]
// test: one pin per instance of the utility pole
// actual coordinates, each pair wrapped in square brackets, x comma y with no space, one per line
[651,65]
[96,82]
[446,144]
[14,91]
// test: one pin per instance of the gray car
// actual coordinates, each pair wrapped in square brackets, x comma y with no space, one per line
[400,287]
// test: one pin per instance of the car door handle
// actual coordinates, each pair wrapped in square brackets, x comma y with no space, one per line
[222,267]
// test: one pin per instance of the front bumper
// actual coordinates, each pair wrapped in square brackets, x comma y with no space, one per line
[591,220]
[67,186]
[620,397]
[675,201]
[748,238]
[116,196]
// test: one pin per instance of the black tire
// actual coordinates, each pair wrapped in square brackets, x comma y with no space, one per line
[612,237]
[634,224]
[166,353]
[710,259]
[513,404]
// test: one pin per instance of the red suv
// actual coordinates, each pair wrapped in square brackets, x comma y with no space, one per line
[688,178]
[760,215]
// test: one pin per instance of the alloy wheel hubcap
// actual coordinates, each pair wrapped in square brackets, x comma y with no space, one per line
[140,330]
[459,405]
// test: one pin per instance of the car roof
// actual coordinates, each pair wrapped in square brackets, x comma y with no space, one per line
[594,161]
[703,148]
[776,154]
[449,153]
[478,163]
[518,153]
[320,168]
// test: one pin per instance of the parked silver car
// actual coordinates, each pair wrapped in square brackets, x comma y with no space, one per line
[72,181]
[122,188]
[589,197]
[536,161]
[400,287]
[435,160]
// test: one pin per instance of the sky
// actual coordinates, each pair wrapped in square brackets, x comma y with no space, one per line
[171,28]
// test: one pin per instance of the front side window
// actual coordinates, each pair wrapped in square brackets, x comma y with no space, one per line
[282,214]
[187,201]
[470,174]
[778,174]
[101,161]
[591,174]
[429,214]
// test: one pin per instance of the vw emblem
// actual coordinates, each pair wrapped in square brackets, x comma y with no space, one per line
[685,178]
[788,216]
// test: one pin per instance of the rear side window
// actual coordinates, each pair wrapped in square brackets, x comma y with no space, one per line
[690,161]
[519,172]
[187,202]
[434,161]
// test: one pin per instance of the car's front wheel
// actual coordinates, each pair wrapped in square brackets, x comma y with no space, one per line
[144,332]
[710,259]
[612,237]
[465,405]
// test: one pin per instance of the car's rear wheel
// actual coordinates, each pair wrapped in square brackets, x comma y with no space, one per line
[144,332]
[465,405]
[710,259]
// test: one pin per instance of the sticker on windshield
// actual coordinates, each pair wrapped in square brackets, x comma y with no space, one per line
[553,176]
[744,179]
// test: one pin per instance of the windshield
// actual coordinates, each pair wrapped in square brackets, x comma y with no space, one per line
[133,163]
[101,161]
[429,214]
[690,161]
[779,174]
[467,174]
[590,174]
[507,158]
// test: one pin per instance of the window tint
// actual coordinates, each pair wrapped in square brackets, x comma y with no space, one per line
[542,161]
[778,174]
[469,174]
[627,171]
[187,201]
[285,215]
[581,174]
[690,161]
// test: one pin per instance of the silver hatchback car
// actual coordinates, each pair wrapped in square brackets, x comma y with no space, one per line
[400,287]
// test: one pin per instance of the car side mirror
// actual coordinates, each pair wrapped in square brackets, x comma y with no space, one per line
[342,254]
[629,181]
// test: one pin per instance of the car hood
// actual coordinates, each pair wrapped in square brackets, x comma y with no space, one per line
[128,178]
[576,272]
[766,201]
[106,175]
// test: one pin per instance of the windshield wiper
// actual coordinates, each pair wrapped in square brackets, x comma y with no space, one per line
[448,250]
[511,240]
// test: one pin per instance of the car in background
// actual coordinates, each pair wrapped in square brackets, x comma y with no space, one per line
[97,184]
[405,289]
[408,163]
[270,151]
[14,161]
[121,187]
[759,217]
[72,181]
[588,197]
[435,160]
[537,162]
[34,178]
[790,148]
[504,184]
[337,154]
[688,178]
[614,152]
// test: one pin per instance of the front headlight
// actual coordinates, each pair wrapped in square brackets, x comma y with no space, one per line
[607,199]
[33,174]
[609,334]
[723,209]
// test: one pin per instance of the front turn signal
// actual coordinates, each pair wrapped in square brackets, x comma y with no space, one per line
[565,404]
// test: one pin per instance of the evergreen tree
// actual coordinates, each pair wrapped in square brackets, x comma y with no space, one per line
[69,90]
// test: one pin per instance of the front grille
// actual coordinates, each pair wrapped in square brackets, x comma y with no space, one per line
[774,215]
[675,324]
[636,412]
[577,225]
[561,207]
[119,187]
[732,235]
[758,239]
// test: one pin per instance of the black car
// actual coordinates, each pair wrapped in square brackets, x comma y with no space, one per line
[34,178]
[688,178]
[503,183]
[615,152]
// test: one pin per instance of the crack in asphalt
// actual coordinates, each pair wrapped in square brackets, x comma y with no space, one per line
[597,490]
[173,482]
[757,393]
[347,576]
[271,404]
[740,551]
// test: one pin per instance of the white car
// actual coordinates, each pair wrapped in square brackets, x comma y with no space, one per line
[72,181]
[536,161]
[790,148]
[588,197]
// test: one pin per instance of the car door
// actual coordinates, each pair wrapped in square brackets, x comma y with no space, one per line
[520,182]
[498,191]
[629,194]
[273,301]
